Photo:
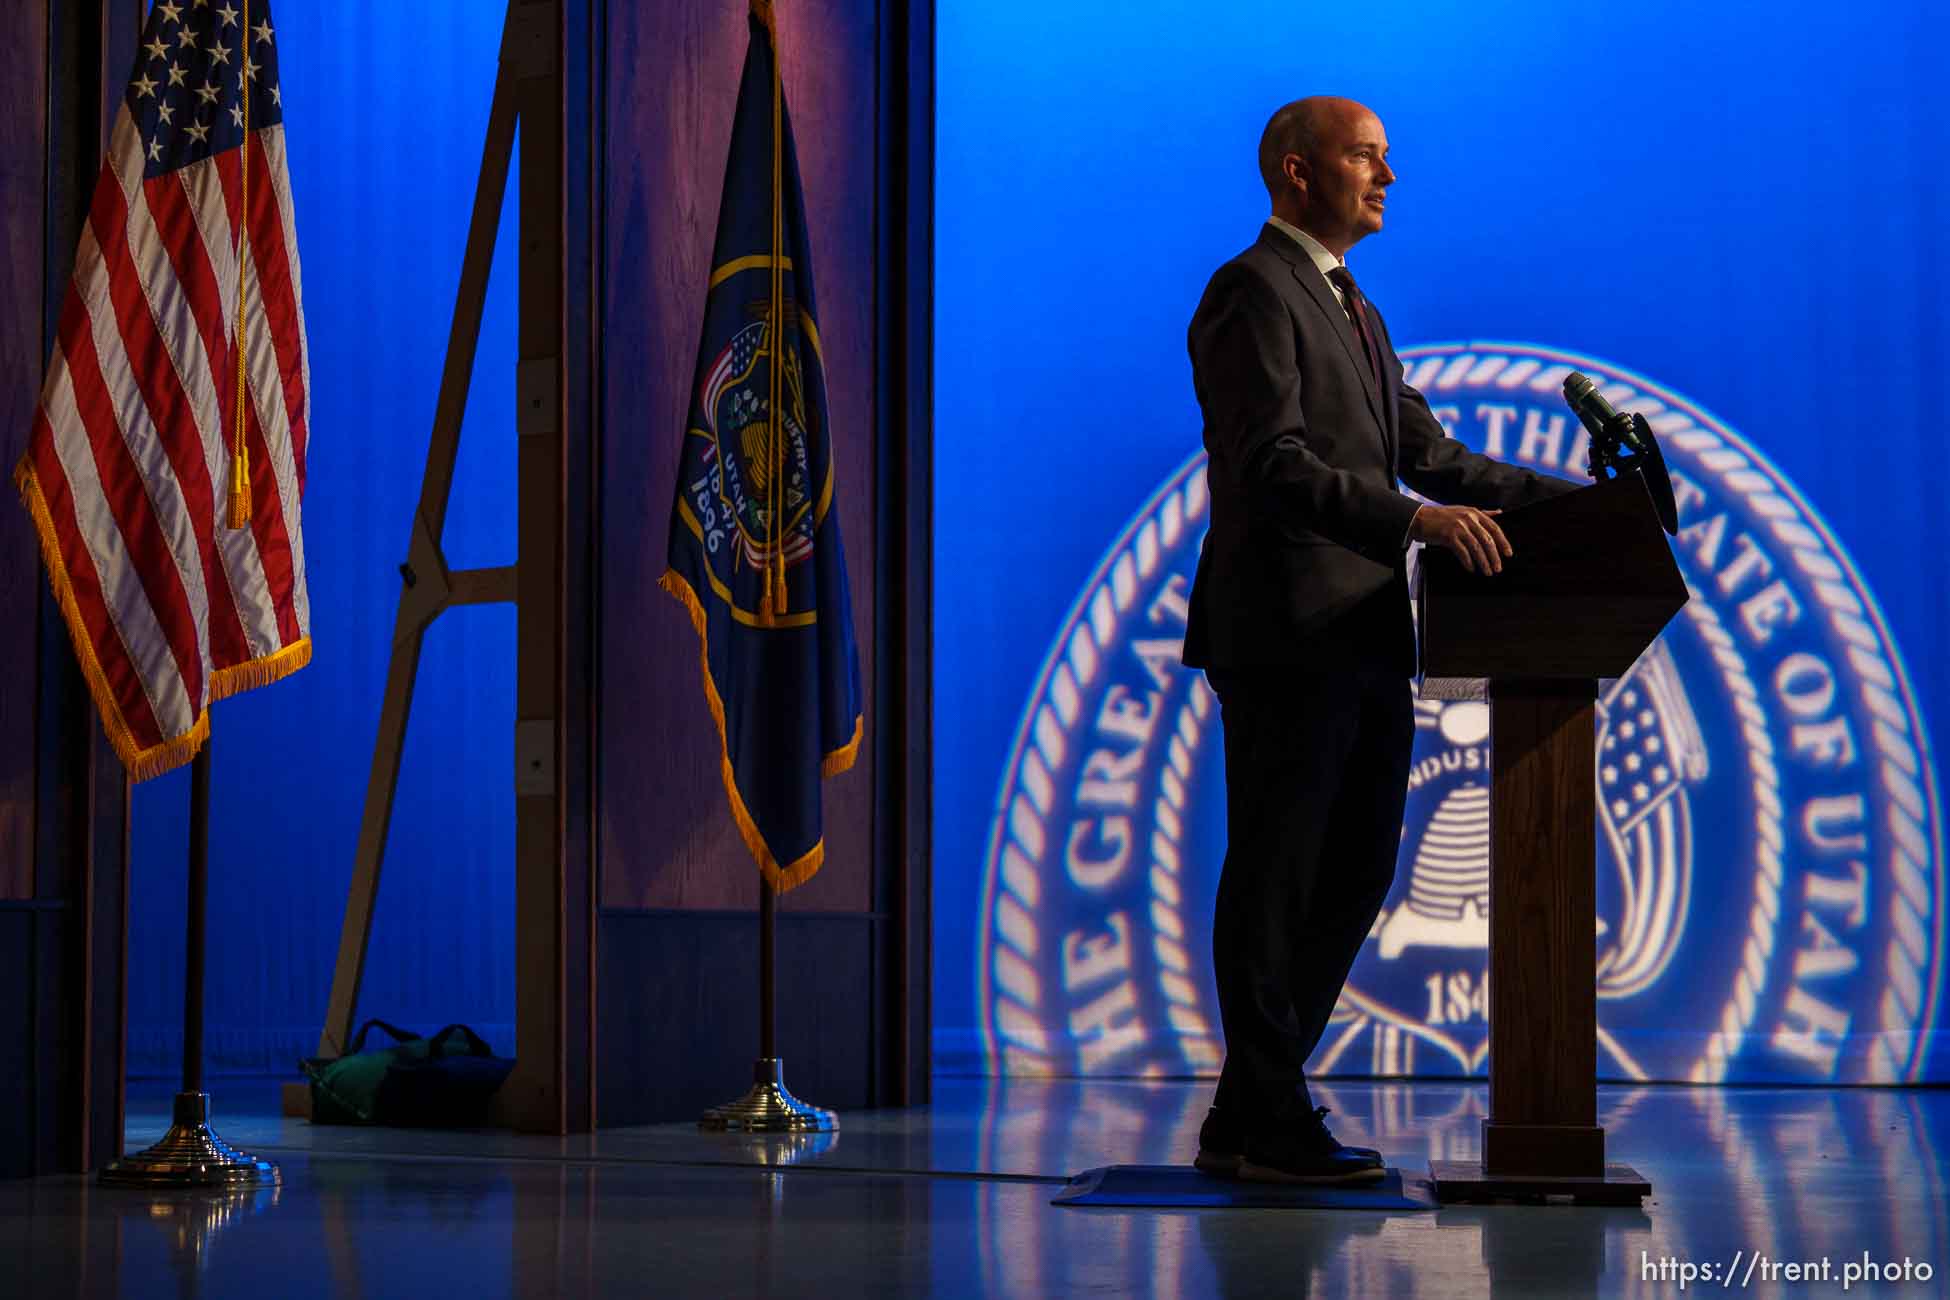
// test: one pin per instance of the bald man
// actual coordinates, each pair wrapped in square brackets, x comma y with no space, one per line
[1300,619]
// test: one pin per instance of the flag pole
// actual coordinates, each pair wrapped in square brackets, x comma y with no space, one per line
[191,1154]
[768,984]
[768,1107]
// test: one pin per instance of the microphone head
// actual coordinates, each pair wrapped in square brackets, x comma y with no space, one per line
[1578,386]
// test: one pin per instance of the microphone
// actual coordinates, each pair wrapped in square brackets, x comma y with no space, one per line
[1622,443]
[1600,417]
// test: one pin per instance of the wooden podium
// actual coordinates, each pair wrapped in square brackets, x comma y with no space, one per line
[1591,584]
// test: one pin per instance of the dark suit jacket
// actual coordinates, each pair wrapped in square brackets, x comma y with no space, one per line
[1305,563]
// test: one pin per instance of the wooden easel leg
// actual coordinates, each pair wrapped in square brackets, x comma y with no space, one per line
[528,88]
[381,784]
[429,587]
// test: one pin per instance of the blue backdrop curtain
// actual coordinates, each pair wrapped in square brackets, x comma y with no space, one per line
[1744,204]
[385,109]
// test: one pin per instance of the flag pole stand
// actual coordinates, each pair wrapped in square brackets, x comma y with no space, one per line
[191,1154]
[768,1107]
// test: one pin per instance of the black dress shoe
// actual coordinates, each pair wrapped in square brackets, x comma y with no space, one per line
[1223,1139]
[1221,1143]
[1299,1149]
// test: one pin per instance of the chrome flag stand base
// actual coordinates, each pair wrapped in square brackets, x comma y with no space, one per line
[768,1107]
[191,1155]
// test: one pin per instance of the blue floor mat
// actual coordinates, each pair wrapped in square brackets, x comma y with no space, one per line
[1183,1187]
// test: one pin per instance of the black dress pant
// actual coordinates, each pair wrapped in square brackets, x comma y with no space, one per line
[1316,781]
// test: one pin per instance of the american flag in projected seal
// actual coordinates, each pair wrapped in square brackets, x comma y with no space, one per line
[1770,849]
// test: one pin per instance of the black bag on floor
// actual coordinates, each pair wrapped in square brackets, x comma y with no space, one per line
[446,1081]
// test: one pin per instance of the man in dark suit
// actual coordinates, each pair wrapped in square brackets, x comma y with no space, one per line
[1300,618]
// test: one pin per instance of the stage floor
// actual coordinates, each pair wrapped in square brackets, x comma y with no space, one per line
[953,1199]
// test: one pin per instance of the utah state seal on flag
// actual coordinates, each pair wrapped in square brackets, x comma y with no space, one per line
[755,553]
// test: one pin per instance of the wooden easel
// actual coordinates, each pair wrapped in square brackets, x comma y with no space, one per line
[552,1087]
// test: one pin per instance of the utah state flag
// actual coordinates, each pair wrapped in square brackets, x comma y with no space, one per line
[755,550]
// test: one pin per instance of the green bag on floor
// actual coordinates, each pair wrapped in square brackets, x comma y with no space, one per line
[446,1081]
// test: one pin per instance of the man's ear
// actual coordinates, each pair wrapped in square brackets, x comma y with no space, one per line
[1296,171]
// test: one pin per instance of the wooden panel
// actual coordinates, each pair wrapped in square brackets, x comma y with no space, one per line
[666,836]
[536,1093]
[687,977]
[23,189]
[63,797]
[904,767]
[20,1058]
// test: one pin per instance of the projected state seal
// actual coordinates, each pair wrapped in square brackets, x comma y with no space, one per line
[1770,856]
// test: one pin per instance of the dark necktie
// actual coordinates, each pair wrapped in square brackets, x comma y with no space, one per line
[1357,311]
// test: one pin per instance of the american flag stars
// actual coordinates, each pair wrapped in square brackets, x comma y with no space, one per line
[187,96]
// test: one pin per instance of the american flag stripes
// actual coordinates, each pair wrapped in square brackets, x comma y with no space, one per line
[129,466]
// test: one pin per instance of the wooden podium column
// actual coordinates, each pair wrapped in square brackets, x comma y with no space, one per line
[1543,943]
[1590,586]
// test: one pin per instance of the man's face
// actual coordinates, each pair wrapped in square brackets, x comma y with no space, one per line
[1347,180]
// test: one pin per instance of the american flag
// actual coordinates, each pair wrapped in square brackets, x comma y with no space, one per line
[129,467]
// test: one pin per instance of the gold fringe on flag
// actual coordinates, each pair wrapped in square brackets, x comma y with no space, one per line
[224,682]
[801,869]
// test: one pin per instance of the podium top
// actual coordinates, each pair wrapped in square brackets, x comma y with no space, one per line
[1590,586]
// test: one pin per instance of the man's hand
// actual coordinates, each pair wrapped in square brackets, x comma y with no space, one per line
[1471,533]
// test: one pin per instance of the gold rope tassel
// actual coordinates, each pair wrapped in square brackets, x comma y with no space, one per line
[239,514]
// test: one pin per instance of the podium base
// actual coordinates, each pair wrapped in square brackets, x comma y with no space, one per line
[768,1107]
[191,1155]
[1466,1181]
